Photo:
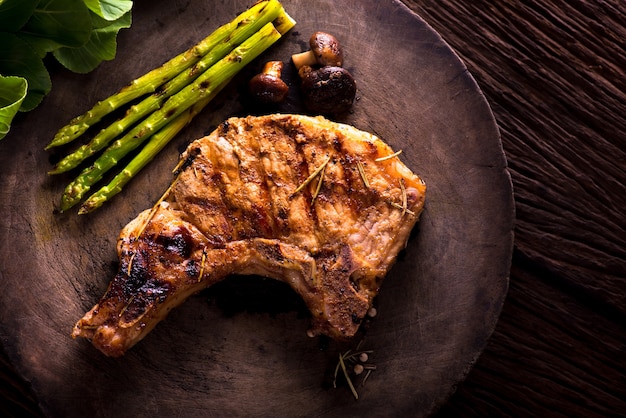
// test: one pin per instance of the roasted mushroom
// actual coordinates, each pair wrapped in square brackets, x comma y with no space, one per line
[268,86]
[327,90]
[325,50]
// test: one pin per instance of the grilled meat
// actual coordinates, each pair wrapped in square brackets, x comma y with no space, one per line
[300,199]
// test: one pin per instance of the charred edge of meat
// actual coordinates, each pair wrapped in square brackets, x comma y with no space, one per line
[272,252]
[146,296]
[192,269]
[136,287]
[134,283]
[179,243]
[224,127]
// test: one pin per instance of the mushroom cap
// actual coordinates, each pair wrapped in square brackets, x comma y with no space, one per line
[267,88]
[328,90]
[327,49]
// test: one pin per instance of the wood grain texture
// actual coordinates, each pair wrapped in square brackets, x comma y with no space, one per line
[553,72]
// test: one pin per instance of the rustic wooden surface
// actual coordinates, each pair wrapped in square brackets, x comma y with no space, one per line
[553,73]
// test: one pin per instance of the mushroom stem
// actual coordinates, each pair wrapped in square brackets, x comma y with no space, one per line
[268,87]
[304,58]
[273,68]
[325,50]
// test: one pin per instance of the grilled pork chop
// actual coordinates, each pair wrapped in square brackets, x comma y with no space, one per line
[321,206]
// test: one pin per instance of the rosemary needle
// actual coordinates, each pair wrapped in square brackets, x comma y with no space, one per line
[127,305]
[362,173]
[345,373]
[353,357]
[388,157]
[202,265]
[399,206]
[130,263]
[404,200]
[312,176]
[319,184]
[367,375]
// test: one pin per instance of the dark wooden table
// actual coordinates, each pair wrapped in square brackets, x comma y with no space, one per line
[553,72]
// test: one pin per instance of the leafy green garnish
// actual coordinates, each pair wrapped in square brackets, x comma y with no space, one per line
[12,94]
[101,46]
[109,9]
[18,58]
[14,14]
[80,34]
[62,22]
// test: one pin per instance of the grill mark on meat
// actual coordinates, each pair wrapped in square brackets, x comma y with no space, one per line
[135,275]
[272,252]
[253,179]
[292,155]
[275,212]
[178,243]
[192,269]
[221,231]
[152,292]
[233,209]
[311,157]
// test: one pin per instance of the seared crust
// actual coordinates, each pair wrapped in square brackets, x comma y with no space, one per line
[238,205]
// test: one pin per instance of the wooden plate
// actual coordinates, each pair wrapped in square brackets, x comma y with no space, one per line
[242,349]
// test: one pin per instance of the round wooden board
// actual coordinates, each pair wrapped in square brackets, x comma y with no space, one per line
[437,307]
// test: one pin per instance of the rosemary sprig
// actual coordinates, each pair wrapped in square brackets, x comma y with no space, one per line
[404,199]
[362,173]
[150,216]
[357,359]
[367,375]
[337,368]
[319,184]
[202,265]
[404,209]
[130,263]
[404,205]
[314,174]
[127,305]
[345,373]
[388,157]
[155,207]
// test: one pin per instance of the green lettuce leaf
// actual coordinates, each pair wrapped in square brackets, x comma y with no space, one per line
[102,45]
[15,13]
[109,9]
[63,23]
[17,58]
[12,94]
[79,33]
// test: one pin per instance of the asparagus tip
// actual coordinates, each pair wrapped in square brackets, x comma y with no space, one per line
[283,23]
[55,170]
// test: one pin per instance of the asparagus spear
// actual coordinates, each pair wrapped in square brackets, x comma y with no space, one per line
[269,13]
[149,82]
[202,87]
[147,153]
[283,24]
